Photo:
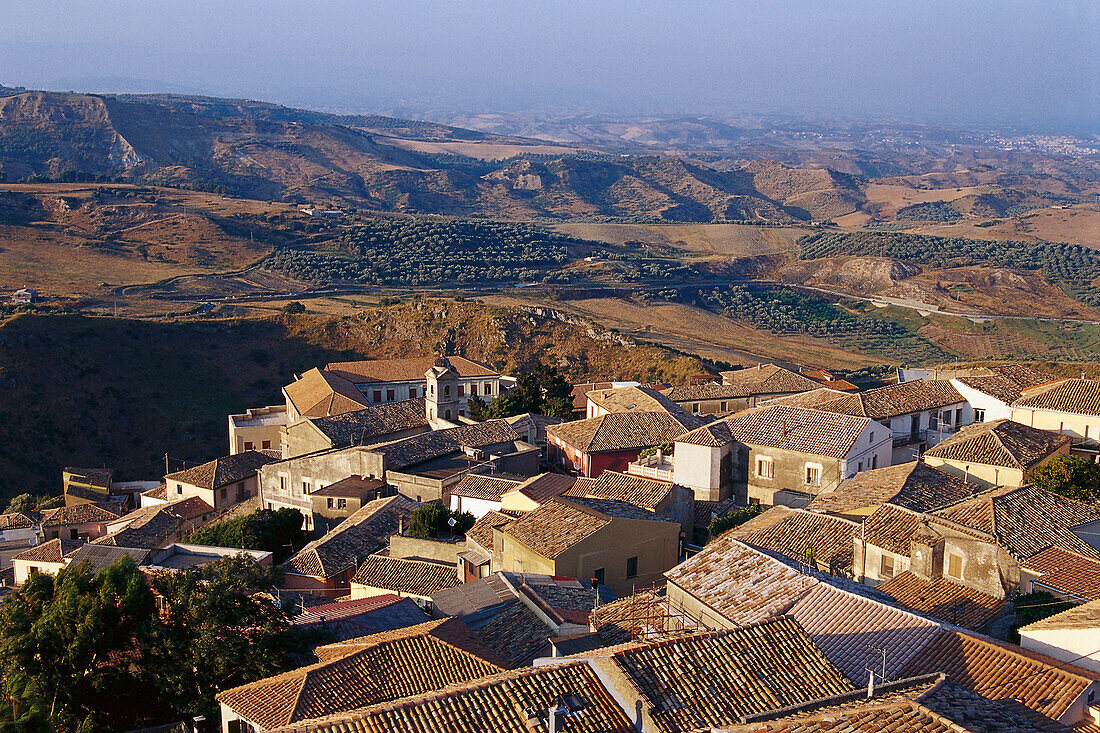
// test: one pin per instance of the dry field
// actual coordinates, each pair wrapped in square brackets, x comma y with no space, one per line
[989,346]
[1079,224]
[898,196]
[700,332]
[724,240]
[479,150]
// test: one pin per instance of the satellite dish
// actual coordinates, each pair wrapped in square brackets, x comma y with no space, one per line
[451,522]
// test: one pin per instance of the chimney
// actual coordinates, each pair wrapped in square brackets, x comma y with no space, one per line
[870,683]
[660,456]
[400,525]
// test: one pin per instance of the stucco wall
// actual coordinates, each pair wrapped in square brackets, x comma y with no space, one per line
[1079,426]
[1077,646]
[706,470]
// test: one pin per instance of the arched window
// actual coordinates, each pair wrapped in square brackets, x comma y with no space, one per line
[446,390]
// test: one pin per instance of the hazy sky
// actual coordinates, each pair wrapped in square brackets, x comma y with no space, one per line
[971,61]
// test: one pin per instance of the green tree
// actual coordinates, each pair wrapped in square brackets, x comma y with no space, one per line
[736,518]
[293,308]
[278,532]
[541,390]
[72,650]
[33,503]
[432,520]
[217,632]
[1071,476]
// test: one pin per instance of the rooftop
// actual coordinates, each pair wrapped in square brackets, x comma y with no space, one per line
[914,485]
[1085,616]
[360,534]
[556,525]
[1000,443]
[802,536]
[488,488]
[893,400]
[402,454]
[622,431]
[53,551]
[944,599]
[319,393]
[795,428]
[360,427]
[1066,572]
[348,619]
[641,492]
[482,531]
[404,370]
[634,399]
[404,576]
[542,487]
[352,487]
[223,471]
[1077,396]
[767,379]
[77,514]
[100,556]
[1005,382]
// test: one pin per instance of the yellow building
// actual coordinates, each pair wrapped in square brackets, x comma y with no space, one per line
[998,453]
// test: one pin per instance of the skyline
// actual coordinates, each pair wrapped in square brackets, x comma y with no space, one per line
[989,64]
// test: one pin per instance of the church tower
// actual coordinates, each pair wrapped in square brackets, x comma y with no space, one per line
[441,401]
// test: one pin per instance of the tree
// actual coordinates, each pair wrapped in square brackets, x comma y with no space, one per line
[432,520]
[294,308]
[217,632]
[1071,476]
[736,518]
[72,650]
[278,532]
[33,503]
[541,390]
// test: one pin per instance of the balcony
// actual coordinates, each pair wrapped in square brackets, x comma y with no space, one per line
[657,466]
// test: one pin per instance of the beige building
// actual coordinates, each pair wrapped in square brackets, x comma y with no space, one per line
[47,557]
[1071,406]
[613,542]
[257,428]
[998,453]
[374,424]
[1073,636]
[222,482]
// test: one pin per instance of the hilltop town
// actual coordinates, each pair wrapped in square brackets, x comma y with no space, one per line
[420,542]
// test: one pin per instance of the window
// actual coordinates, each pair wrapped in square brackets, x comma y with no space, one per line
[473,390]
[874,462]
[724,407]
[305,486]
[955,566]
[632,567]
[412,393]
[461,391]
[377,396]
[597,576]
[765,467]
[446,390]
[695,407]
[813,474]
[886,567]
[389,395]
[284,481]
[448,416]
[248,444]
[860,467]
[224,494]
[330,503]
[73,534]
[179,488]
[488,388]
[872,437]
[341,503]
[462,413]
[979,415]
[266,444]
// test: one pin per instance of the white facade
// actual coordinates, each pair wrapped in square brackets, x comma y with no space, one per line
[477,507]
[1078,646]
[983,407]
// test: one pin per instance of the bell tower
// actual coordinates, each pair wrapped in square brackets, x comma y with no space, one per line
[441,401]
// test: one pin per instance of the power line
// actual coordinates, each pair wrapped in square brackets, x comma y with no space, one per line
[1065,663]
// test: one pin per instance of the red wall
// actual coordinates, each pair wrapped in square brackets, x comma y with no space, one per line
[616,461]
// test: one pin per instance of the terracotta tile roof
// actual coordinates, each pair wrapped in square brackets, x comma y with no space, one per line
[802,536]
[489,488]
[555,526]
[634,399]
[1077,396]
[156,525]
[367,671]
[52,551]
[161,492]
[404,370]
[15,520]
[622,431]
[714,678]
[767,379]
[907,706]
[542,487]
[77,514]
[348,619]
[798,429]
[1000,443]
[97,477]
[1085,616]
[499,703]
[1026,520]
[482,531]
[704,391]
[319,393]
[914,485]
[476,601]
[897,399]
[849,626]
[637,616]
[357,536]
[1001,671]
[223,471]
[516,633]
[713,435]
[944,599]
[410,451]
[370,424]
[411,577]
[636,490]
[891,528]
[1067,572]
[739,583]
[814,399]
[1005,382]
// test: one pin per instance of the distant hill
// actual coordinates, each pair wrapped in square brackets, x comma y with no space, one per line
[269,152]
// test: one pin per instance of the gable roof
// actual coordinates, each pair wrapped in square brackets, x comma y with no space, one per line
[1066,572]
[318,393]
[1002,671]
[367,671]
[1077,396]
[766,379]
[1025,520]
[1005,382]
[541,487]
[54,551]
[486,487]
[412,577]
[897,399]
[555,526]
[499,703]
[929,704]
[15,520]
[401,454]
[800,535]
[223,471]
[1000,443]
[410,369]
[891,528]
[482,531]
[944,599]
[622,430]
[634,399]
[77,514]
[100,556]
[360,427]
[704,391]
[796,428]
[153,526]
[636,490]
[914,485]
[714,678]
[348,619]
[360,534]
[1084,616]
